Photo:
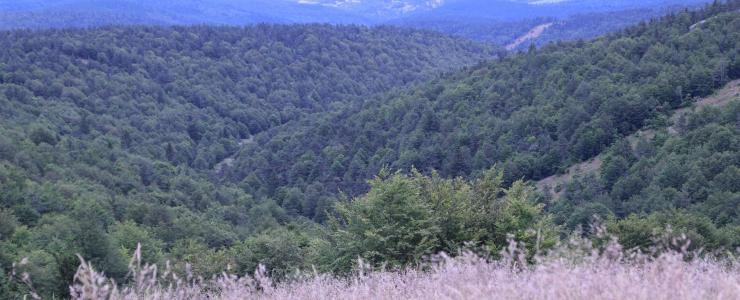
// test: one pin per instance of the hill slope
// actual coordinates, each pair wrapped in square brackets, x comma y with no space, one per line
[108,136]
[691,164]
[555,184]
[210,87]
[533,114]
[512,10]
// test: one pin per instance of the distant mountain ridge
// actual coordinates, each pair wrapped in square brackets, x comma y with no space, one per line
[512,10]
[168,12]
[86,13]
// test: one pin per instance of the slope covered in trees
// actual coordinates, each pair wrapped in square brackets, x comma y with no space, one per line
[686,175]
[493,21]
[115,136]
[108,136]
[532,114]
[199,90]
[513,10]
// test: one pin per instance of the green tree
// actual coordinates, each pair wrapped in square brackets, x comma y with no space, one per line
[8,223]
[40,135]
[525,221]
[282,251]
[128,235]
[405,217]
[390,225]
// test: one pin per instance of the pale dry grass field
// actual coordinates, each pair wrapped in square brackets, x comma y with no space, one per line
[572,271]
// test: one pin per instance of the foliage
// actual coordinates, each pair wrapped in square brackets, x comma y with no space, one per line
[404,218]
[582,26]
[115,136]
[533,114]
[284,251]
[688,181]
[219,147]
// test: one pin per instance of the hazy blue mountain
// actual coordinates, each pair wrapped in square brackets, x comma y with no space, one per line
[573,27]
[85,13]
[512,10]
[499,22]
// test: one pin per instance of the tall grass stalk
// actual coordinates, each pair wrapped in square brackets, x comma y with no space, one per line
[574,270]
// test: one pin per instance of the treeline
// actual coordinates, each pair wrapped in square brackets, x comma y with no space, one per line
[70,19]
[400,221]
[112,136]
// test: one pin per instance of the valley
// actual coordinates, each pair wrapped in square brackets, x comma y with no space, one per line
[231,149]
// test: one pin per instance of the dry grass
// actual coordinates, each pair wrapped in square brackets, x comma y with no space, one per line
[573,271]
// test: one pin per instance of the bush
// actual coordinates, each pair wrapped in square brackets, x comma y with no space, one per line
[406,217]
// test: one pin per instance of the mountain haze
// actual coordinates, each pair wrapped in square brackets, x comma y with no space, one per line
[85,13]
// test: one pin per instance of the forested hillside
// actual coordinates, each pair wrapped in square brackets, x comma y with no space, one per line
[517,10]
[683,171]
[201,90]
[310,146]
[532,114]
[109,136]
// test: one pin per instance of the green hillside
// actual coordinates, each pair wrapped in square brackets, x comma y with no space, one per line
[110,136]
[533,114]
[683,172]
[310,146]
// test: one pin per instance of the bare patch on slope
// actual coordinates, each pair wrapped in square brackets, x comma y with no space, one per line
[532,34]
[555,185]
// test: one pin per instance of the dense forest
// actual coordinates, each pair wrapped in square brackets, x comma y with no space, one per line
[592,25]
[685,175]
[308,146]
[109,136]
[533,114]
[37,14]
